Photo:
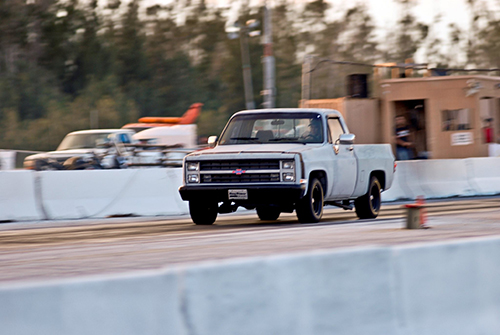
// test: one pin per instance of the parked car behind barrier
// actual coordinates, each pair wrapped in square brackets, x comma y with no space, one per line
[106,149]
[84,149]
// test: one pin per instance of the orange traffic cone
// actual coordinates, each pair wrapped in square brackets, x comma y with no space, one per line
[416,214]
[420,201]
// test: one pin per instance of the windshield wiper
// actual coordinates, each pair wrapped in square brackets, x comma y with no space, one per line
[287,139]
[255,139]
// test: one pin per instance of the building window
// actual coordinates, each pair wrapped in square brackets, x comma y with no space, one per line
[456,119]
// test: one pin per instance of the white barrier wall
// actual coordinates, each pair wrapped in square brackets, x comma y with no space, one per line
[18,196]
[102,193]
[29,195]
[443,178]
[152,192]
[449,288]
[484,175]
[347,292]
[139,304]
[445,288]
[7,160]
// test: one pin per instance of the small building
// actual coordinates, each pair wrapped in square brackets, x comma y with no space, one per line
[449,116]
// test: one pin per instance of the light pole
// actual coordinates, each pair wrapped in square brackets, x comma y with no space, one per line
[247,70]
[243,31]
[269,92]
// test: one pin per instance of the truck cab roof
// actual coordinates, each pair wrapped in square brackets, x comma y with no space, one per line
[323,111]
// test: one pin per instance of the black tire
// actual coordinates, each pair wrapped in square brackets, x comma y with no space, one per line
[40,165]
[310,208]
[268,213]
[203,212]
[368,205]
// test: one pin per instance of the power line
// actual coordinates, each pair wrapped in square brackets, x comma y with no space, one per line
[422,66]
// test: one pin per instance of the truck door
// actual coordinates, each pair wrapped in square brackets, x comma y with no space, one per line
[344,163]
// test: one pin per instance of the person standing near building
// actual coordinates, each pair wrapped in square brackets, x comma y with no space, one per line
[404,146]
[488,134]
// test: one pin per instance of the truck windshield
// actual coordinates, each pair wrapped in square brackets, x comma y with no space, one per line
[84,141]
[273,128]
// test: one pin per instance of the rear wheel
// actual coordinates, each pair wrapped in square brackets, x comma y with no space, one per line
[310,208]
[368,205]
[268,213]
[203,212]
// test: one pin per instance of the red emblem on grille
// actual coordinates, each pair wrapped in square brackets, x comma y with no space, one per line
[238,171]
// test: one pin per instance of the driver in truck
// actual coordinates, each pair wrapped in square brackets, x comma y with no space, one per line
[314,134]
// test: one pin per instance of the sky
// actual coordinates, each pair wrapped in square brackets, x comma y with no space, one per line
[386,12]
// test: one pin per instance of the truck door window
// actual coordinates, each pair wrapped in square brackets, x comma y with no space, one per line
[335,128]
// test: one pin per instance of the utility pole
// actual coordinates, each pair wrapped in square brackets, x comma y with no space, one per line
[269,91]
[306,78]
[247,70]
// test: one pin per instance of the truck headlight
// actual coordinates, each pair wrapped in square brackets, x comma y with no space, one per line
[288,176]
[193,178]
[193,166]
[288,165]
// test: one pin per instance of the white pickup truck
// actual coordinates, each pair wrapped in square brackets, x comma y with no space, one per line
[270,160]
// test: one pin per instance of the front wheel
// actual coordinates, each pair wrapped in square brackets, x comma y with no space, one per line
[368,205]
[203,212]
[268,213]
[309,209]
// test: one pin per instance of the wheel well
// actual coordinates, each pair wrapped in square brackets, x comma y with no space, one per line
[380,176]
[321,175]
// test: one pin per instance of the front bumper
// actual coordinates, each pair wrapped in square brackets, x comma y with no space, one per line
[257,194]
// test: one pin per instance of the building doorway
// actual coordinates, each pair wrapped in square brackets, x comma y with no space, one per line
[414,113]
[489,113]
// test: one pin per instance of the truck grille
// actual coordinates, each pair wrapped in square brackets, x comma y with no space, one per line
[240,171]
[254,164]
[242,178]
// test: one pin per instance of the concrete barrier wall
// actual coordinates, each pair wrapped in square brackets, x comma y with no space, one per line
[7,159]
[14,159]
[29,195]
[484,175]
[450,288]
[102,193]
[443,178]
[326,293]
[18,196]
[445,288]
[128,305]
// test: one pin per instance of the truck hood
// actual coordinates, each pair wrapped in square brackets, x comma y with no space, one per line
[62,154]
[257,148]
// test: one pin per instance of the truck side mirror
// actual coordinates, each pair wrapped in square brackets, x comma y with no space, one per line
[212,140]
[347,139]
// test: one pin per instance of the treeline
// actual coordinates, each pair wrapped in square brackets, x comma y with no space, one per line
[63,60]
